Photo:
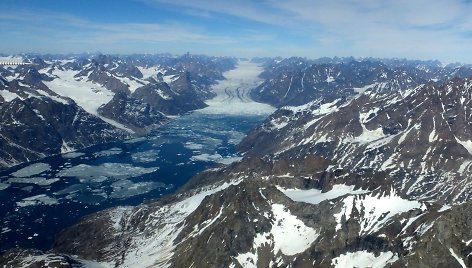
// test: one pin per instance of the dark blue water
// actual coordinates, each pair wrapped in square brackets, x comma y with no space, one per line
[61,189]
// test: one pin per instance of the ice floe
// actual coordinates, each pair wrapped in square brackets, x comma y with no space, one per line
[126,188]
[4,186]
[103,172]
[31,170]
[109,152]
[41,199]
[41,181]
[73,155]
[146,156]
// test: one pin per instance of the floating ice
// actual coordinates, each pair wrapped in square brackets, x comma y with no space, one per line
[34,180]
[32,170]
[110,152]
[72,155]
[207,157]
[28,188]
[193,146]
[229,160]
[4,186]
[145,157]
[41,199]
[91,198]
[71,189]
[135,140]
[126,188]
[104,172]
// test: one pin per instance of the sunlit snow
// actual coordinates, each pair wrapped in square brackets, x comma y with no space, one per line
[315,196]
[364,259]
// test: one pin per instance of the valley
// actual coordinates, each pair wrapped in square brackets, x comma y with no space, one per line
[361,163]
[41,198]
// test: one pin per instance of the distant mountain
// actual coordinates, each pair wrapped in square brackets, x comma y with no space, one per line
[295,81]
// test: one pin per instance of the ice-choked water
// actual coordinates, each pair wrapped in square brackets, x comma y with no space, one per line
[39,199]
[44,197]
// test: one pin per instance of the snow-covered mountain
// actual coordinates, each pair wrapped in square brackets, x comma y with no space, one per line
[58,104]
[369,172]
[296,81]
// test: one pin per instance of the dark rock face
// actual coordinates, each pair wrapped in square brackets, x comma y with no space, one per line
[99,74]
[132,112]
[164,98]
[35,127]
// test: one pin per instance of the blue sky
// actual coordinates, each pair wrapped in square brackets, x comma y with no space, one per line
[417,29]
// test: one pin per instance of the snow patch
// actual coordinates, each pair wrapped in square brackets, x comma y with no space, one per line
[364,259]
[291,235]
[459,259]
[466,144]
[374,210]
[88,95]
[9,96]
[315,196]
[288,234]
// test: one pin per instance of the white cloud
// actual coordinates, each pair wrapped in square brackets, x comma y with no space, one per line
[400,28]
[439,29]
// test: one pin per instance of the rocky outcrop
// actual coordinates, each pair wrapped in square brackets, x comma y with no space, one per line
[140,116]
[34,128]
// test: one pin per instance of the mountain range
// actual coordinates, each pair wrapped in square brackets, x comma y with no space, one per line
[365,163]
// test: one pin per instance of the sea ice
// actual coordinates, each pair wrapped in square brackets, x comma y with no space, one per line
[109,152]
[146,156]
[72,155]
[31,170]
[103,172]
[34,180]
[4,186]
[41,199]
[126,188]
